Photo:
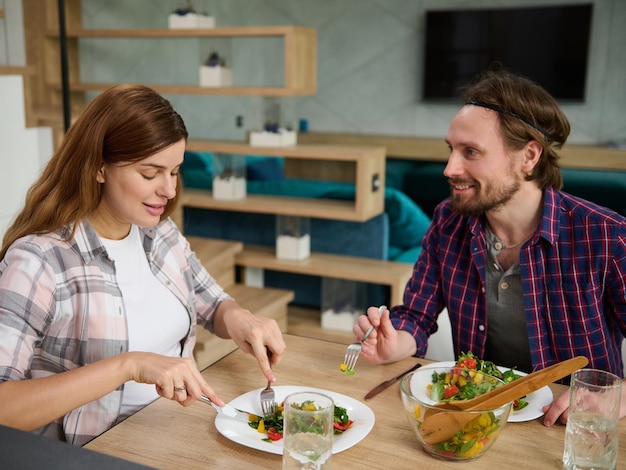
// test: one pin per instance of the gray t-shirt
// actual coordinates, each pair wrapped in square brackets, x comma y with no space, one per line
[507,332]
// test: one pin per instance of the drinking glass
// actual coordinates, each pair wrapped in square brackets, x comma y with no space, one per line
[308,431]
[591,438]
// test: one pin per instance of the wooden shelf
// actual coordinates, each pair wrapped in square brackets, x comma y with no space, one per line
[590,157]
[235,31]
[300,55]
[369,201]
[191,89]
[386,273]
[280,205]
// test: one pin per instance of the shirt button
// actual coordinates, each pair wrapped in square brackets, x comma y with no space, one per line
[481,328]
[504,285]
[167,283]
[495,265]
[497,246]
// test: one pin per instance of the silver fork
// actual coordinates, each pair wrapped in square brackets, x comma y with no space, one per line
[268,399]
[354,350]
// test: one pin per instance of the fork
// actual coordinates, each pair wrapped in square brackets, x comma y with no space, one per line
[268,399]
[354,350]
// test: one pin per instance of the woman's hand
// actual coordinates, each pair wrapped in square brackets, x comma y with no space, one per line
[175,378]
[252,333]
[31,405]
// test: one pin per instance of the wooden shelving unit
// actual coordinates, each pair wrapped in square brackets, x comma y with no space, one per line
[369,182]
[364,165]
[300,56]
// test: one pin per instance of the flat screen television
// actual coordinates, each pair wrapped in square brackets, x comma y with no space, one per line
[549,45]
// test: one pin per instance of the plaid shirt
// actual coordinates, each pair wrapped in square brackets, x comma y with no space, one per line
[61,308]
[573,278]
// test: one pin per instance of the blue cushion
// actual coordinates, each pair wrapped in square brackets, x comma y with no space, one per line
[264,169]
[198,168]
[407,222]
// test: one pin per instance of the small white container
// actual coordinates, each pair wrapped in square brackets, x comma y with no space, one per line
[229,188]
[190,21]
[282,138]
[293,248]
[339,321]
[216,76]
[229,182]
[293,237]
[343,301]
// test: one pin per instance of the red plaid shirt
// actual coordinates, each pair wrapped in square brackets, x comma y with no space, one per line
[573,273]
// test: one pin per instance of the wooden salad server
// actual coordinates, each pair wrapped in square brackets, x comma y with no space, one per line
[441,423]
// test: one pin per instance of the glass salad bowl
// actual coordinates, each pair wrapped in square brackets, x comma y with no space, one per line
[478,431]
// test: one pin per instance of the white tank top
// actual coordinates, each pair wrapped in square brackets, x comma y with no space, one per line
[157,320]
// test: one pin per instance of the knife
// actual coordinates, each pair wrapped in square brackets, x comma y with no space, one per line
[228,410]
[387,383]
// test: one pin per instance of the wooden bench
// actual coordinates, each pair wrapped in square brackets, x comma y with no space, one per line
[386,273]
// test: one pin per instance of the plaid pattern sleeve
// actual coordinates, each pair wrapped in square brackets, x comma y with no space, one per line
[573,277]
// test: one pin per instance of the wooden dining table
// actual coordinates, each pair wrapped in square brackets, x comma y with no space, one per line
[165,434]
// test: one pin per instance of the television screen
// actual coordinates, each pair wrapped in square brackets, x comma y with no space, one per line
[546,44]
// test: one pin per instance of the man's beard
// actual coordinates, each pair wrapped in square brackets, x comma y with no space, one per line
[482,203]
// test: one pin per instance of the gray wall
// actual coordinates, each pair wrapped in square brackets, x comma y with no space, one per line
[369,64]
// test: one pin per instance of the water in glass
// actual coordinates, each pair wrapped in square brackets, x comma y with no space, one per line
[590,442]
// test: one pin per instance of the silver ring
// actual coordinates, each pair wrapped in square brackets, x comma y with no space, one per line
[180,389]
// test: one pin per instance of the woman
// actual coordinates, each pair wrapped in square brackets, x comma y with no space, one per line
[99,291]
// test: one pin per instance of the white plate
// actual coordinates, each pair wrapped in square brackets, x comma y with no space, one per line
[536,400]
[241,433]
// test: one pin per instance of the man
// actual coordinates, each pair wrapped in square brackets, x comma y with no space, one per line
[530,275]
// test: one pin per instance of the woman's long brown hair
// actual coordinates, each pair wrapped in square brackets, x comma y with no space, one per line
[126,123]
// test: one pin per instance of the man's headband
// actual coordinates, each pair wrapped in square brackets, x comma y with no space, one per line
[510,113]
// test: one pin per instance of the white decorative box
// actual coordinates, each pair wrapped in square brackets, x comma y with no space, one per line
[229,182]
[216,76]
[190,21]
[293,237]
[340,321]
[229,188]
[342,303]
[282,138]
[293,248]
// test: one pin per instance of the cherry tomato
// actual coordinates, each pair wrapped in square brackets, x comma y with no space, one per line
[342,426]
[450,391]
[468,363]
[274,435]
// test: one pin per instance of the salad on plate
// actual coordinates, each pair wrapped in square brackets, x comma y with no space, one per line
[272,427]
[456,386]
